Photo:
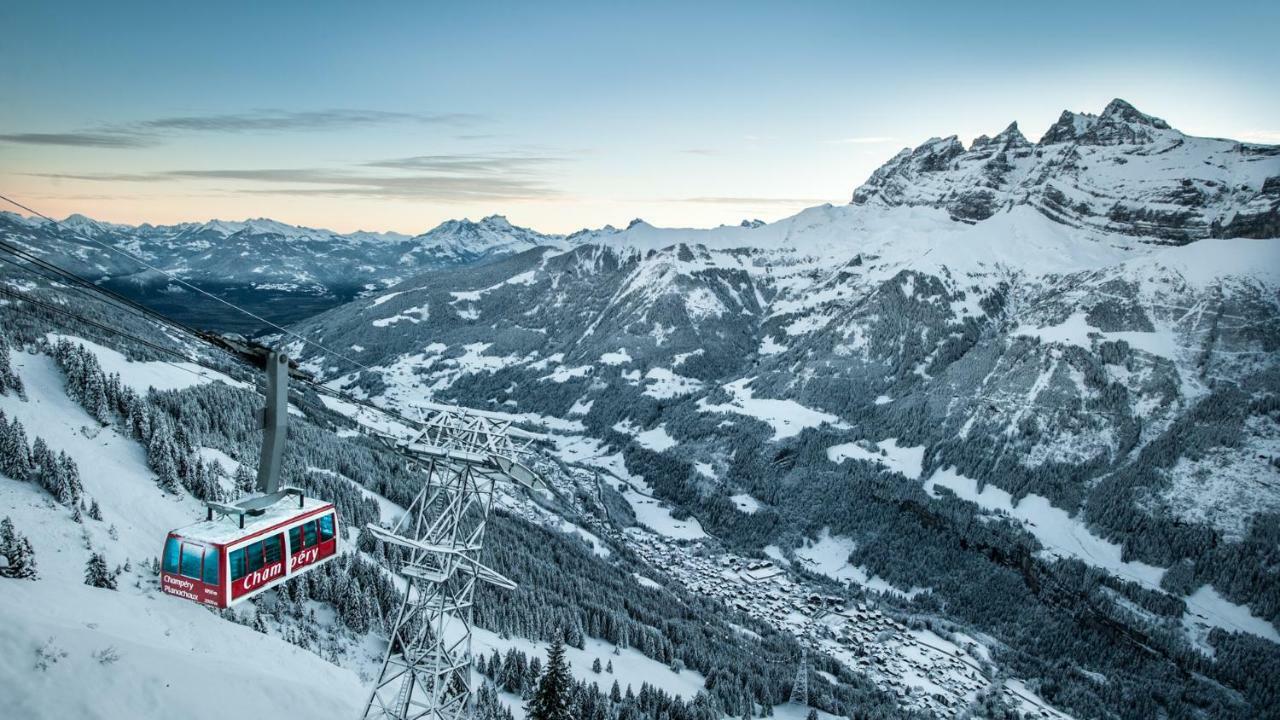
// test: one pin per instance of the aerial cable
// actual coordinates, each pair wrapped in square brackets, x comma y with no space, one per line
[175,278]
[22,297]
[80,280]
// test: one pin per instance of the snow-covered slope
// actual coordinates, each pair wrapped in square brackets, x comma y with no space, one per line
[70,650]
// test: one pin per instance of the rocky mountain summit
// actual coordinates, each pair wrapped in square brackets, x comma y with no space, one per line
[1122,171]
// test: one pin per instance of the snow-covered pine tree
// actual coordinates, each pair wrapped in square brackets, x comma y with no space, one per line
[15,456]
[95,511]
[550,699]
[69,490]
[245,480]
[97,574]
[95,396]
[160,455]
[9,379]
[16,548]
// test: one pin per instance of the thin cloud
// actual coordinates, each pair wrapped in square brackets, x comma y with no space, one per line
[102,177]
[1265,137]
[82,139]
[488,164]
[281,120]
[732,200]
[153,132]
[348,183]
[700,151]
[867,140]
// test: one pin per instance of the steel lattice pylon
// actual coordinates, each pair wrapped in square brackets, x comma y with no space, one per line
[426,672]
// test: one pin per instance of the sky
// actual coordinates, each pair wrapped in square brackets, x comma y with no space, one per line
[560,116]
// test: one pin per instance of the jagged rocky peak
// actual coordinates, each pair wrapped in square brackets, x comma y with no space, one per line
[1119,123]
[1121,171]
[1009,138]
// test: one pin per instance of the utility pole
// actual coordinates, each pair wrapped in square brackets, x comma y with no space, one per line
[426,672]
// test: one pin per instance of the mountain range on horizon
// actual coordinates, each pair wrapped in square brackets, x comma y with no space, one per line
[988,159]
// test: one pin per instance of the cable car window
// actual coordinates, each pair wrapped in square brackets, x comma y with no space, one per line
[211,572]
[295,539]
[171,555]
[191,557]
[326,527]
[254,555]
[271,548]
[238,569]
[309,533]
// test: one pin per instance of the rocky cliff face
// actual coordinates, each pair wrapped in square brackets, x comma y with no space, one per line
[1122,171]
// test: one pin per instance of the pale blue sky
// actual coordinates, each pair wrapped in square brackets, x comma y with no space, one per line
[383,115]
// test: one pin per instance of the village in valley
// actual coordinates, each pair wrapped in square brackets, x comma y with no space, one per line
[906,656]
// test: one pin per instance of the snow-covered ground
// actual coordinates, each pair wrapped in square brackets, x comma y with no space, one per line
[139,375]
[133,652]
[905,460]
[787,417]
[830,556]
[1062,534]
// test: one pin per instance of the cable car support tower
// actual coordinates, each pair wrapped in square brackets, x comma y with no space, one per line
[426,672]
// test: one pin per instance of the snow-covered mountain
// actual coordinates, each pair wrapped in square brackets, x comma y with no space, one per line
[1122,171]
[1090,326]
[284,272]
[1030,443]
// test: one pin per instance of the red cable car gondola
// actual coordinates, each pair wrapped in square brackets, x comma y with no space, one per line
[243,548]
[218,563]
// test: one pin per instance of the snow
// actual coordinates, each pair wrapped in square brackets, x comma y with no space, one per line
[229,464]
[745,503]
[646,582]
[788,418]
[664,384]
[173,655]
[905,460]
[621,357]
[830,556]
[157,374]
[383,298]
[564,374]
[170,651]
[1076,330]
[1060,533]
[629,666]
[414,315]
[1207,609]
[142,513]
[771,347]
[883,399]
[656,439]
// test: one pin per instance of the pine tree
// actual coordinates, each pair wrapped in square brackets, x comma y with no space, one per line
[15,457]
[8,378]
[17,551]
[160,456]
[244,479]
[813,715]
[69,490]
[550,699]
[95,512]
[595,666]
[97,574]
